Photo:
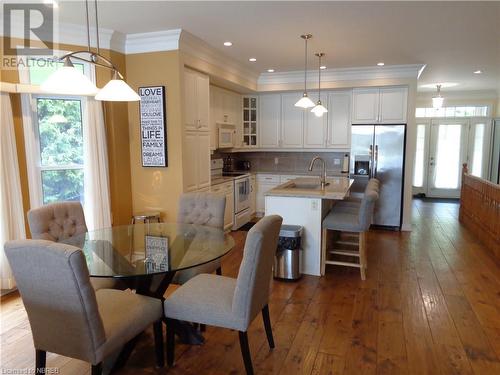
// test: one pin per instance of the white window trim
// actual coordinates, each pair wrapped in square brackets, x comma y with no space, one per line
[30,129]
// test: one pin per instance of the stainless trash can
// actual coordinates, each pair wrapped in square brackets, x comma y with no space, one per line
[287,259]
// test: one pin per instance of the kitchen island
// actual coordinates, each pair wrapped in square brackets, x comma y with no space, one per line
[303,201]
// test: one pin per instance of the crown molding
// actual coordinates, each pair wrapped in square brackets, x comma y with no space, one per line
[343,74]
[167,40]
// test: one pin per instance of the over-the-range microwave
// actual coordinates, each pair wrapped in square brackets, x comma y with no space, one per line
[227,134]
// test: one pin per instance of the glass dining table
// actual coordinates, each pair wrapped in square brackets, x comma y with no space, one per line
[145,257]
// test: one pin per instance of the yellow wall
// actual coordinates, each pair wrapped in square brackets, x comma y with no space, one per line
[157,189]
[116,118]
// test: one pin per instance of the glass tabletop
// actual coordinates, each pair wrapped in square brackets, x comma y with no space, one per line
[148,249]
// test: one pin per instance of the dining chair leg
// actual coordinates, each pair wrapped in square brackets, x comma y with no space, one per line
[218,271]
[170,342]
[203,327]
[97,369]
[245,352]
[158,333]
[41,361]
[267,326]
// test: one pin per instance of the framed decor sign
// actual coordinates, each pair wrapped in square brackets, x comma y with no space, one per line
[153,126]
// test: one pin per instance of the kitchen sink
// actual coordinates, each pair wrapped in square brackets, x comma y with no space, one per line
[306,185]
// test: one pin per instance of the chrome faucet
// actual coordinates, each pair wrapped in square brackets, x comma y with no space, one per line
[322,177]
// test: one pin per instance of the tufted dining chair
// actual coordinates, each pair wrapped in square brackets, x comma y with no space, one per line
[67,316]
[60,221]
[201,209]
[227,302]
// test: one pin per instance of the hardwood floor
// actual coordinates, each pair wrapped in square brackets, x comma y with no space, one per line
[430,305]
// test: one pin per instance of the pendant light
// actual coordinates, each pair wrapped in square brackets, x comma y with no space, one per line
[305,101]
[70,81]
[319,109]
[437,101]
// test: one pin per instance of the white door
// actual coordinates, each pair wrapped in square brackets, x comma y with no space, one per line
[365,106]
[203,102]
[203,152]
[190,101]
[339,119]
[269,120]
[292,121]
[190,165]
[315,130]
[447,153]
[393,105]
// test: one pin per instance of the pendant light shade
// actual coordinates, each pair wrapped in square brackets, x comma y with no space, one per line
[305,102]
[319,109]
[117,90]
[68,81]
[438,100]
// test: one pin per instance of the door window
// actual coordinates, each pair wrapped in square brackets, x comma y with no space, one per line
[448,152]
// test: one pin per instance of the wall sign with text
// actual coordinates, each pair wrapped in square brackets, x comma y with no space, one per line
[152,109]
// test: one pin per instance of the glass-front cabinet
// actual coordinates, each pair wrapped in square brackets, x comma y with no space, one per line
[250,121]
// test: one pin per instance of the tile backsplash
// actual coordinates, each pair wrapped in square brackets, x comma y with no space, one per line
[288,161]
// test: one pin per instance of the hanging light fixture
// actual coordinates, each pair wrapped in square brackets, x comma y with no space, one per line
[305,101]
[70,81]
[319,109]
[437,101]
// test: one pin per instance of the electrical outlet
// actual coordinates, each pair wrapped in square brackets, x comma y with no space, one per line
[336,161]
[276,161]
[314,205]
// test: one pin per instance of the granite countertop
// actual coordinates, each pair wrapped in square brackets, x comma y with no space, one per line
[221,180]
[297,173]
[337,188]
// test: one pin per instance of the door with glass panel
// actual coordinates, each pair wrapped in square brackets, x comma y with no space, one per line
[447,153]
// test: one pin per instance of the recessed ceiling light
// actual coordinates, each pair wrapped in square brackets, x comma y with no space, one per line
[322,67]
[479,71]
[228,44]
[270,70]
[252,59]
[380,64]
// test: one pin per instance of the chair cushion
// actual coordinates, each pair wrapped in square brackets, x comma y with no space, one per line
[205,299]
[343,221]
[124,315]
[202,209]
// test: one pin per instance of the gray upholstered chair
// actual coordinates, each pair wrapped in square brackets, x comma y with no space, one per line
[66,315]
[226,302]
[61,221]
[352,218]
[201,209]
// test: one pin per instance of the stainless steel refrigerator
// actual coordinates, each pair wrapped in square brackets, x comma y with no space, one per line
[379,151]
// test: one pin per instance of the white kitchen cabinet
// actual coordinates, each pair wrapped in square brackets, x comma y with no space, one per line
[292,122]
[393,105]
[315,129]
[265,182]
[227,190]
[215,110]
[385,105]
[269,120]
[253,194]
[196,101]
[365,106]
[339,120]
[196,166]
[249,125]
[225,108]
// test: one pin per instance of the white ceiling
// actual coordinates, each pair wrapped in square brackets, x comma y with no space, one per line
[452,38]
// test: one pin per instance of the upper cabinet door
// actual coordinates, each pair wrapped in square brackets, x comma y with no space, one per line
[365,106]
[393,105]
[190,101]
[315,127]
[203,152]
[292,121]
[269,120]
[203,102]
[339,119]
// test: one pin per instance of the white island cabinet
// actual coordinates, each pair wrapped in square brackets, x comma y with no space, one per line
[300,202]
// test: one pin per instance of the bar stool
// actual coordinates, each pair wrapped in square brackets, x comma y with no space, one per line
[146,217]
[354,220]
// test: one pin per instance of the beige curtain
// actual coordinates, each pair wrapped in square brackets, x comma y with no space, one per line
[96,171]
[11,202]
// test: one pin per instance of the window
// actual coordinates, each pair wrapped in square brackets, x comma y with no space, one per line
[447,173]
[463,111]
[60,135]
[478,150]
[418,175]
